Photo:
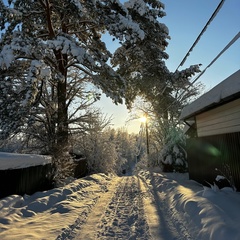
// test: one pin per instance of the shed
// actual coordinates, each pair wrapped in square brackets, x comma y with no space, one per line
[24,173]
[215,120]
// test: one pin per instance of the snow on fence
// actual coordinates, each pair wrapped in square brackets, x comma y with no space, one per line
[24,173]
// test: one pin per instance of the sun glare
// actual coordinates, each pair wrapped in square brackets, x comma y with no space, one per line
[143,119]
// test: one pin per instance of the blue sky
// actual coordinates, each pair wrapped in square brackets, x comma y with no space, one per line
[185,20]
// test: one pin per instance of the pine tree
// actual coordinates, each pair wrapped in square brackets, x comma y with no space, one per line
[143,63]
[43,41]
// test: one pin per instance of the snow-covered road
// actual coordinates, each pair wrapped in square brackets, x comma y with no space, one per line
[132,210]
[150,205]
[121,214]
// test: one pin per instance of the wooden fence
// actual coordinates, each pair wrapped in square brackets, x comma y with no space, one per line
[25,180]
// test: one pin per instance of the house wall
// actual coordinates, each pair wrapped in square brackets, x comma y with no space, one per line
[210,156]
[220,120]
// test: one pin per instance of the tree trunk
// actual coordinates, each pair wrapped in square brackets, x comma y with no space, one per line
[62,127]
[62,118]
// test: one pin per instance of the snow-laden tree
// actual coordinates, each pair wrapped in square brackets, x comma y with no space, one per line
[166,137]
[43,41]
[172,155]
[125,145]
[108,151]
[143,63]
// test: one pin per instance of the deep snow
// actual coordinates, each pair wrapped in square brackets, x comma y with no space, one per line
[168,205]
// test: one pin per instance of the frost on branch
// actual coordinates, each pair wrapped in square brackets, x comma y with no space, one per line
[38,71]
[119,22]
[143,9]
[135,33]
[179,77]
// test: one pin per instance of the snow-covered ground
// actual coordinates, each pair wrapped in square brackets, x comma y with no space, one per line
[195,211]
[152,205]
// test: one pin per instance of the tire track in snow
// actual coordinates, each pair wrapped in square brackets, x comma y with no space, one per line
[124,216]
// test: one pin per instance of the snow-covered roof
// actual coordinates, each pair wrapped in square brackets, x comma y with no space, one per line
[228,88]
[15,161]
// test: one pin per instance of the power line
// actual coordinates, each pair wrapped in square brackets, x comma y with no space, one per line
[203,30]
[191,84]
[228,45]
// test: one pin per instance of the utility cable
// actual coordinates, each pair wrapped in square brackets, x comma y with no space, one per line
[191,84]
[228,45]
[203,30]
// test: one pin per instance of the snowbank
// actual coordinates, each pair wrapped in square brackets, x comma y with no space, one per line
[210,214]
[14,160]
[53,214]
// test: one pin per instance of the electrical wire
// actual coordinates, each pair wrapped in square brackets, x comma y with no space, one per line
[227,46]
[191,84]
[203,30]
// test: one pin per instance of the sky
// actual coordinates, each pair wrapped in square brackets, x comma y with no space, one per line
[185,20]
[155,205]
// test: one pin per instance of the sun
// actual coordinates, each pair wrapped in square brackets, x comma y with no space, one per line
[143,119]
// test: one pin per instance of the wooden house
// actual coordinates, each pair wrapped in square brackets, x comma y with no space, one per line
[213,122]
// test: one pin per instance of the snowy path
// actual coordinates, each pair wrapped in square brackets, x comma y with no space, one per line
[123,216]
[152,205]
[98,207]
[131,210]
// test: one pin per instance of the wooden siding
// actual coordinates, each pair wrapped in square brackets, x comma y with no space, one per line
[214,155]
[26,180]
[220,120]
